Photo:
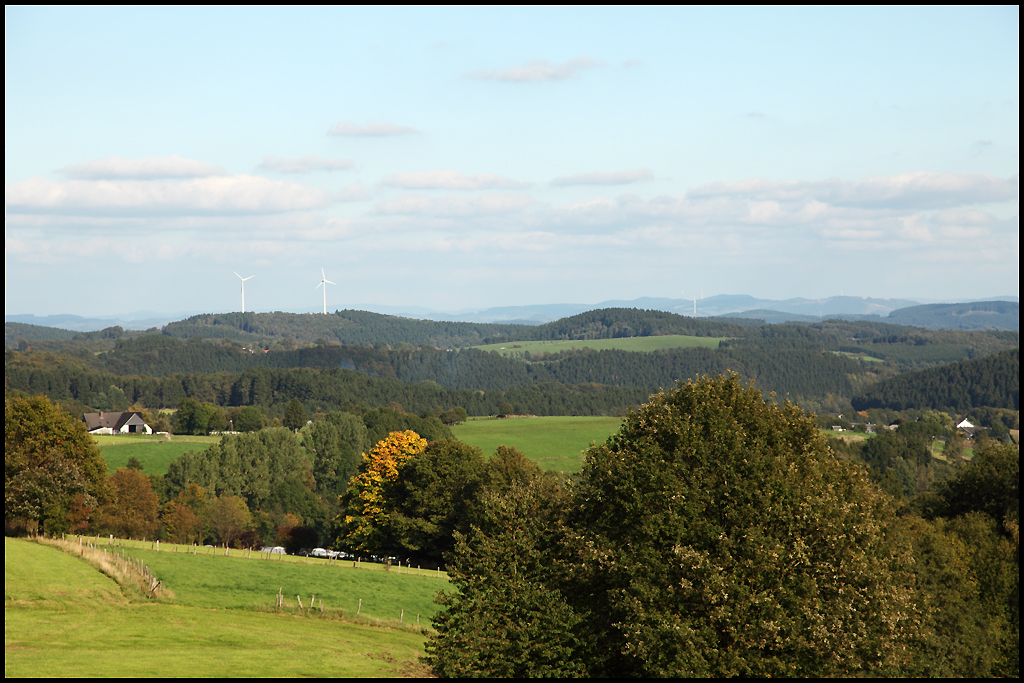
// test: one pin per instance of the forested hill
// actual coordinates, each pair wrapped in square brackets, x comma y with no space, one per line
[15,331]
[977,315]
[992,381]
[616,323]
[365,328]
[907,347]
[797,372]
[345,327]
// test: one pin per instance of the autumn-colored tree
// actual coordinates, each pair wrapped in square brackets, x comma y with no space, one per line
[186,516]
[366,517]
[132,510]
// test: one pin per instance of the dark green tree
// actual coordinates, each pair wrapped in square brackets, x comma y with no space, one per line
[335,445]
[249,419]
[197,418]
[964,632]
[717,536]
[508,618]
[434,497]
[295,415]
[989,484]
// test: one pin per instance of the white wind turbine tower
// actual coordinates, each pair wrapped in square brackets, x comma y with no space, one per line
[323,283]
[243,279]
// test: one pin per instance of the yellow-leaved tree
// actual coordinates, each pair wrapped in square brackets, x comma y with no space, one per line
[366,518]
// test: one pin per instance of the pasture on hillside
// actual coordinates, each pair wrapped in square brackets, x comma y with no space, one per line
[155,452]
[667,341]
[243,580]
[554,443]
[62,617]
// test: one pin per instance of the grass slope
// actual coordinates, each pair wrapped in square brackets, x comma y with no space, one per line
[555,443]
[667,341]
[211,580]
[154,452]
[63,618]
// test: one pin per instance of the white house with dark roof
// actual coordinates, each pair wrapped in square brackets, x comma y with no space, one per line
[116,423]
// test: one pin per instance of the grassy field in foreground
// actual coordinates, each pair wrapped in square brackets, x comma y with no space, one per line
[240,581]
[64,618]
[154,452]
[555,443]
[668,341]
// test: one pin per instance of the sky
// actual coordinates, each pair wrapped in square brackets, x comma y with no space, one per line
[462,158]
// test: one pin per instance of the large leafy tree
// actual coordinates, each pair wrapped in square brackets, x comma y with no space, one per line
[198,418]
[366,521]
[434,497]
[53,472]
[718,536]
[186,517]
[508,618]
[295,415]
[979,511]
[335,445]
[256,466]
[133,507]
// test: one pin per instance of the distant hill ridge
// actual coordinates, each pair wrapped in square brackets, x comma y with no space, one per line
[976,315]
[367,328]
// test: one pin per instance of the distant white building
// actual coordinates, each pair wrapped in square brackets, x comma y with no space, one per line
[116,423]
[967,428]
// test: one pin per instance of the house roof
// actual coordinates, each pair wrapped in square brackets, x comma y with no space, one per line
[112,420]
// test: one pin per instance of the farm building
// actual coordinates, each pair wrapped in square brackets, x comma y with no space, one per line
[966,428]
[116,423]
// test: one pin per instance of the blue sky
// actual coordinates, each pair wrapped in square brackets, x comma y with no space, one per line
[457,158]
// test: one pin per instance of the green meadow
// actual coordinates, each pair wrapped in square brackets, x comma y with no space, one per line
[555,443]
[62,617]
[154,452]
[668,341]
[859,356]
[211,580]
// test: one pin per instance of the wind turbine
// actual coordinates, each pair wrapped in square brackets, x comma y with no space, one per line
[243,279]
[323,283]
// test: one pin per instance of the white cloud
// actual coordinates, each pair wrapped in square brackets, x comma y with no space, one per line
[455,207]
[918,190]
[372,130]
[240,194]
[599,178]
[306,164]
[151,168]
[537,70]
[353,193]
[449,180]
